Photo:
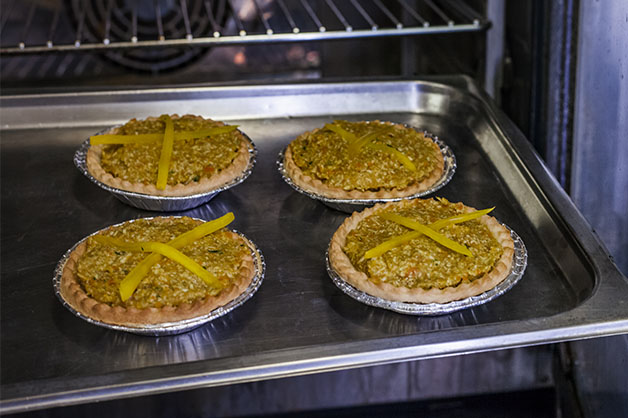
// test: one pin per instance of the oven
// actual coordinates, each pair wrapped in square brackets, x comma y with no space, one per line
[532,98]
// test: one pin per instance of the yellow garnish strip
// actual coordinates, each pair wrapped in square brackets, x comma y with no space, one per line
[439,238]
[166,153]
[402,239]
[165,250]
[390,244]
[459,218]
[365,139]
[108,139]
[135,276]
[395,153]
[349,136]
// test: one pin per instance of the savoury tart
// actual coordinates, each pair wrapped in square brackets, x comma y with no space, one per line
[94,273]
[204,155]
[364,160]
[378,255]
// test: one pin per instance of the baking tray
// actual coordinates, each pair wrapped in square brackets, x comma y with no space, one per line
[298,322]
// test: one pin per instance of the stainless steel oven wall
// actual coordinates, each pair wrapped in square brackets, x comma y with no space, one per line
[599,185]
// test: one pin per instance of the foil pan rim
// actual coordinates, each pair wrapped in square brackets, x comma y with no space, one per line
[80,161]
[450,166]
[174,327]
[520,261]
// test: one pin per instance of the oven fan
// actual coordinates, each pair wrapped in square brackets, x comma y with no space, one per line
[93,14]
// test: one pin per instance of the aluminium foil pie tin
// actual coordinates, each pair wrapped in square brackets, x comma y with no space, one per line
[162,203]
[520,261]
[176,327]
[351,205]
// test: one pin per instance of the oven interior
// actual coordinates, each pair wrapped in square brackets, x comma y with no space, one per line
[103,45]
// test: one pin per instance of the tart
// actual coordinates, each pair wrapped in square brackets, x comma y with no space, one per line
[364,160]
[377,253]
[202,155]
[98,279]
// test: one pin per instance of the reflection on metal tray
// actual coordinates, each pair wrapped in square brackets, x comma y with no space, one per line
[170,328]
[350,205]
[520,261]
[299,321]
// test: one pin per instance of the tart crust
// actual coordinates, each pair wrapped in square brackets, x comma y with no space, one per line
[316,186]
[204,185]
[341,263]
[72,292]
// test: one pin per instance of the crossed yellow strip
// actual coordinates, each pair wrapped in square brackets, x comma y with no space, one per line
[428,230]
[170,250]
[356,143]
[167,138]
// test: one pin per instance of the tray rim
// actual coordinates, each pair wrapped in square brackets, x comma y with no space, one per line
[586,320]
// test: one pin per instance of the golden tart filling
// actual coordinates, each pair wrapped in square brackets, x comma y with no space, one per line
[202,155]
[415,267]
[364,159]
[97,272]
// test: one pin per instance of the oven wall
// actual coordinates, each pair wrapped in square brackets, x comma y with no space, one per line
[599,185]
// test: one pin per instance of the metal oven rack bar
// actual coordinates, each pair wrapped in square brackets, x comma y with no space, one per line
[267,22]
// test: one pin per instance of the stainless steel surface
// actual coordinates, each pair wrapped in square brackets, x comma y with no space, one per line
[298,322]
[599,185]
[600,131]
[495,52]
[351,205]
[292,21]
[163,203]
[170,328]
[520,261]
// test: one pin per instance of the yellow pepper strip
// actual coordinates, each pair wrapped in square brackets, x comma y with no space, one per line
[348,136]
[407,163]
[165,250]
[365,139]
[133,279]
[390,244]
[107,139]
[166,153]
[459,218]
[439,238]
[402,239]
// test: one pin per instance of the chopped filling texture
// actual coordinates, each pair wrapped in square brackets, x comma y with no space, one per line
[102,268]
[192,159]
[422,262]
[325,155]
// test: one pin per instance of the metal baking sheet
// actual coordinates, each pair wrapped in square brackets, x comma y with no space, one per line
[299,321]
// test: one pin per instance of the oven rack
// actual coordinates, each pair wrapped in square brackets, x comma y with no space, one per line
[103,25]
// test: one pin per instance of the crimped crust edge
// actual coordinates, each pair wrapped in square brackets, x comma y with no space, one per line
[316,186]
[205,184]
[73,294]
[340,262]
